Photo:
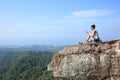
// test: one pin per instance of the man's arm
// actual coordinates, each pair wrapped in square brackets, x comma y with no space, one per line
[93,34]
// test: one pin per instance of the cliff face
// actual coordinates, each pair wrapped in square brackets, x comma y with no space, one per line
[88,61]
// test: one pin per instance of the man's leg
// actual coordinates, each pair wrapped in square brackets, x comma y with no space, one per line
[88,38]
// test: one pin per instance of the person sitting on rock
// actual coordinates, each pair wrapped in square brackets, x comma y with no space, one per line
[94,36]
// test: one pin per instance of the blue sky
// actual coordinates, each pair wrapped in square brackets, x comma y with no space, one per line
[57,22]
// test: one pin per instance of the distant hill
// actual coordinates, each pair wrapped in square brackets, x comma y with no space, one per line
[49,48]
[26,63]
[7,58]
[30,67]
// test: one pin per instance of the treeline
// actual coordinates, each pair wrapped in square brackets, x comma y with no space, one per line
[25,65]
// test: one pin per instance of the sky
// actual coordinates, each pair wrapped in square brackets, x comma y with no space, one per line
[57,22]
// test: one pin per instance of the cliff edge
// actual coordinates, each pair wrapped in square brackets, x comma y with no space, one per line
[88,61]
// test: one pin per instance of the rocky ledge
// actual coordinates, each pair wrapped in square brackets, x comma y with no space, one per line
[88,61]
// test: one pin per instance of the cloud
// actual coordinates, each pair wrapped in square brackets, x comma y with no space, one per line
[88,14]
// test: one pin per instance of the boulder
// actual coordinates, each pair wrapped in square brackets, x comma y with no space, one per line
[88,61]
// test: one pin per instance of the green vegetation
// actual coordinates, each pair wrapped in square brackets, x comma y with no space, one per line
[7,57]
[25,65]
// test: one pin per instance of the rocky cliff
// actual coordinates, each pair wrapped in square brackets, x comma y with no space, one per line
[88,61]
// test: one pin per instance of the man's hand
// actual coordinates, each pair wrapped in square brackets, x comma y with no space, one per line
[89,34]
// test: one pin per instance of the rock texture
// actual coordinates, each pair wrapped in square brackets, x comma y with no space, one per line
[88,61]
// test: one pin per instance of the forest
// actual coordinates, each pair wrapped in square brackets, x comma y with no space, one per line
[25,65]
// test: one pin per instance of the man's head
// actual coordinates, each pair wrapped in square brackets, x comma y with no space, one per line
[92,27]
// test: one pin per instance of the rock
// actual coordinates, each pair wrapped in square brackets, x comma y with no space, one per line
[88,61]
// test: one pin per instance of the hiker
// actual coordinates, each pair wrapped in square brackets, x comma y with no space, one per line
[94,36]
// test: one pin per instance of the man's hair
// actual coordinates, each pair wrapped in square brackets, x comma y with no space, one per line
[93,26]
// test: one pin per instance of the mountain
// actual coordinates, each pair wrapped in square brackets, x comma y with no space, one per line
[49,48]
[30,66]
[88,61]
[26,63]
[7,57]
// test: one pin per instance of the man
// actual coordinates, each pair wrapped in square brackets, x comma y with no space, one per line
[94,36]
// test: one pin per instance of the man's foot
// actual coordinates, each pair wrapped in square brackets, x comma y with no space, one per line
[80,43]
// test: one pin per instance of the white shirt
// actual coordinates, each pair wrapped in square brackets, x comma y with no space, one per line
[96,35]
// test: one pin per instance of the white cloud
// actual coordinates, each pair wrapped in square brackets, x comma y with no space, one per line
[88,14]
